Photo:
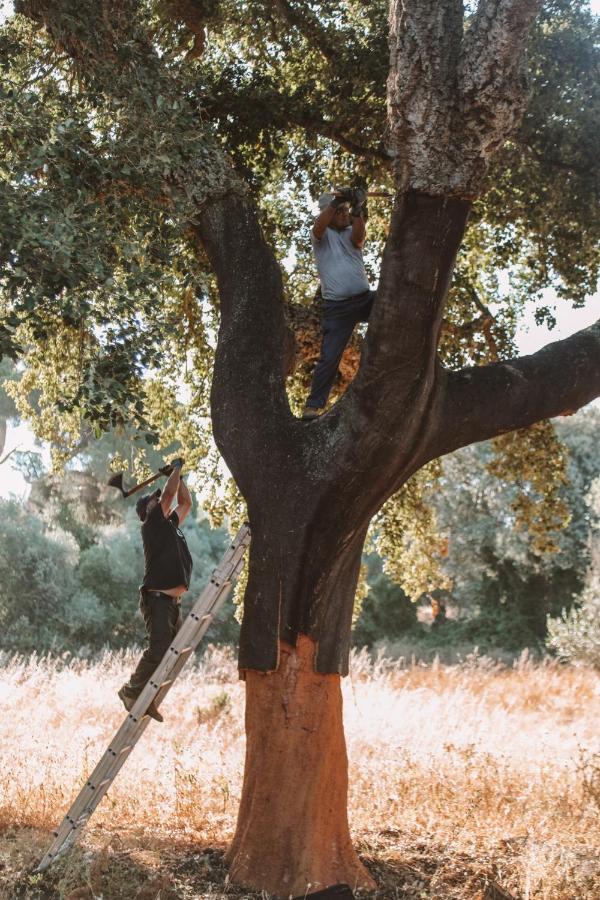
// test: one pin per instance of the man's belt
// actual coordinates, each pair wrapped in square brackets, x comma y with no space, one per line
[146,593]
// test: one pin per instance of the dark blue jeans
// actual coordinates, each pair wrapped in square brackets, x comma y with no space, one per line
[339,319]
[162,618]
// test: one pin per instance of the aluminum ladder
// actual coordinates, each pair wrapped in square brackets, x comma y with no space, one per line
[185,642]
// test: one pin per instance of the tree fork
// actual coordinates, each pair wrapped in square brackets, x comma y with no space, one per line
[292,833]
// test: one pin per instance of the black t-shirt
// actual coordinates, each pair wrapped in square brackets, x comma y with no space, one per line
[166,554]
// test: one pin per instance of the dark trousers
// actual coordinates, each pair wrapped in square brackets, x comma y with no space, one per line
[339,319]
[162,617]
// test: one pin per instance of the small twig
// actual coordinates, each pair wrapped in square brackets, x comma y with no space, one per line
[9,454]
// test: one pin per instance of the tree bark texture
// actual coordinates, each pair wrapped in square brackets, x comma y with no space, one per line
[292,835]
[454,95]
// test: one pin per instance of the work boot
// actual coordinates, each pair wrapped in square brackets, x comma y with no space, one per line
[312,412]
[153,712]
[129,700]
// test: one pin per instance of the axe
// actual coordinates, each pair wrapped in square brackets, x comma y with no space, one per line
[116,481]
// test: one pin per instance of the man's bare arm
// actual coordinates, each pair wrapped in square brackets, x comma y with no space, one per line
[323,220]
[184,501]
[171,488]
[357,234]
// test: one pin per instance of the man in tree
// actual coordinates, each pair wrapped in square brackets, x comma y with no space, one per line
[338,236]
[168,569]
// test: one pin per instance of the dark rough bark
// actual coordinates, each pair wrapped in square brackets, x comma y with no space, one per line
[312,488]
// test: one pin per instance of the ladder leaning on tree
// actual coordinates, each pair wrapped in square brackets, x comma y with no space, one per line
[187,639]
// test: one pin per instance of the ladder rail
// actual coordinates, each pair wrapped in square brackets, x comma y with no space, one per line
[183,645]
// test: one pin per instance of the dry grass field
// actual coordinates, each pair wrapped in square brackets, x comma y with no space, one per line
[469,781]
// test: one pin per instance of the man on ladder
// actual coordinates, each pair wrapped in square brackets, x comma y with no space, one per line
[123,742]
[168,569]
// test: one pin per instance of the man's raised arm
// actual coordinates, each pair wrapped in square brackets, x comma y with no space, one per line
[358,214]
[323,220]
[171,488]
[184,501]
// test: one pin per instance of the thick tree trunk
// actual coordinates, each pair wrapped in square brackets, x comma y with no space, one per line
[292,835]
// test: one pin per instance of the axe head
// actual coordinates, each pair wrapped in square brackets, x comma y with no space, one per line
[116,481]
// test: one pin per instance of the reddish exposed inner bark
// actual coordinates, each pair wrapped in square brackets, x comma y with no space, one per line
[292,835]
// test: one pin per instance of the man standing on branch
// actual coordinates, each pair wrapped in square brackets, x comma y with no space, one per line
[338,236]
[168,569]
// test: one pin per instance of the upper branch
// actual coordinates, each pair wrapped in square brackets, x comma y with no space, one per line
[482,402]
[249,402]
[454,100]
[493,76]
[400,348]
[425,41]
[309,26]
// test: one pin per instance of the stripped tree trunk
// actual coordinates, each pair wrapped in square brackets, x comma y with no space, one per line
[295,792]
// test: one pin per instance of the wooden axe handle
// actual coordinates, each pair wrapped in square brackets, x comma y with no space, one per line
[142,484]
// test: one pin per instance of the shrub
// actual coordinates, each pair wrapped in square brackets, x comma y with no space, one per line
[575,636]
[36,582]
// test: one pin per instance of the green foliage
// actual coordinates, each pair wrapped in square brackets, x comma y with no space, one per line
[37,582]
[575,636]
[56,596]
[386,613]
[535,461]
[491,563]
[7,373]
[98,186]
[404,533]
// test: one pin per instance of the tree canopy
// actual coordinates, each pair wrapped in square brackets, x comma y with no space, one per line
[111,133]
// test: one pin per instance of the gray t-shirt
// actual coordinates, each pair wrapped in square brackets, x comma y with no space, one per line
[340,264]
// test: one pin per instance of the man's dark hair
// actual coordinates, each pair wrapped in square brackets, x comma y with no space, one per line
[140,506]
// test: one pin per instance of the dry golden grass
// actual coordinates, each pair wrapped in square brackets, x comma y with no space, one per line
[467,782]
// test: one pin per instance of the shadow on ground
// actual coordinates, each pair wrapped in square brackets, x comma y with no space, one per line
[158,866]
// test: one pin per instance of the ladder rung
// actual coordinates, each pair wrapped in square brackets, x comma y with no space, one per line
[117,753]
[96,787]
[168,681]
[185,651]
[196,618]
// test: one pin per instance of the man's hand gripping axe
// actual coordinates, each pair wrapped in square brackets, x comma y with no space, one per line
[116,481]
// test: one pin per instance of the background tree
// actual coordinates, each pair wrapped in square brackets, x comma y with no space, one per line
[575,635]
[504,585]
[119,203]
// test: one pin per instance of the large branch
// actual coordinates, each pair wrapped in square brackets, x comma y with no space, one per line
[283,111]
[400,348]
[249,402]
[482,402]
